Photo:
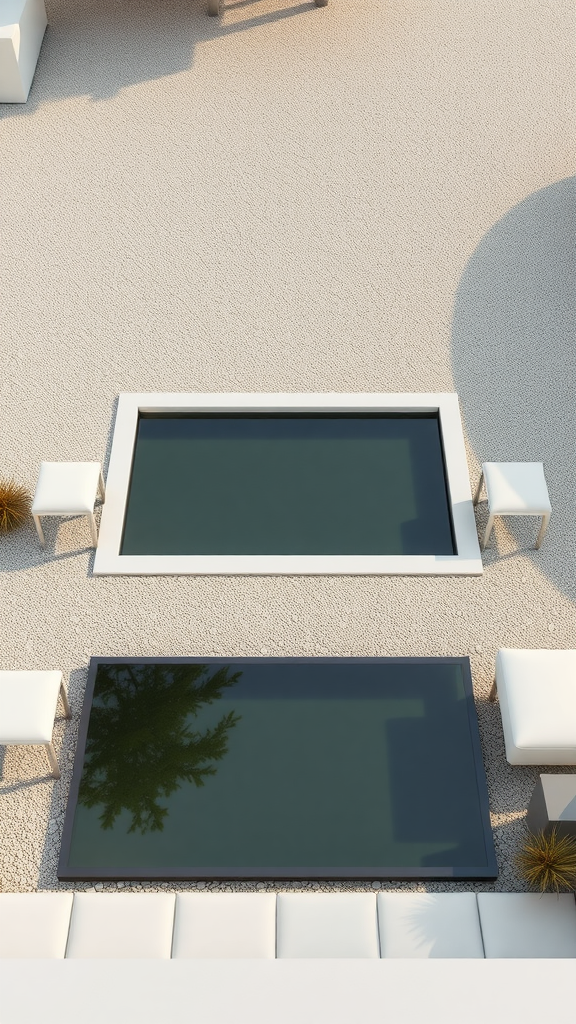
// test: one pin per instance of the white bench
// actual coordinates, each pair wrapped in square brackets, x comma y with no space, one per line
[22,27]
[263,926]
[537,694]
[27,708]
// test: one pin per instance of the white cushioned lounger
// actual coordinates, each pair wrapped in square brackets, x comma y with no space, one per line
[34,924]
[326,925]
[225,926]
[121,926]
[429,925]
[537,694]
[520,925]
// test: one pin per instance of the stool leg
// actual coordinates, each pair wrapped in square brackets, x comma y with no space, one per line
[488,531]
[53,762]
[101,487]
[476,498]
[493,692]
[543,528]
[93,529]
[39,531]
[67,712]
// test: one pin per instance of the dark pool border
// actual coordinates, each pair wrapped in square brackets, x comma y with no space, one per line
[486,872]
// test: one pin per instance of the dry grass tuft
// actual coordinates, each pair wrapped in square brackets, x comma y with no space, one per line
[14,505]
[548,861]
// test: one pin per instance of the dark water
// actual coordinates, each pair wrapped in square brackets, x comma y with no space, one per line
[333,767]
[288,485]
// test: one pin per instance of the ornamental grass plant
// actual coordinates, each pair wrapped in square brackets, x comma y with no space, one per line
[14,505]
[547,862]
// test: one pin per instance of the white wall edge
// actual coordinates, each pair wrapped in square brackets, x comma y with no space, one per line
[285,991]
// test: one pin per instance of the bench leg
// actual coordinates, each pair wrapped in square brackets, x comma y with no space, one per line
[93,529]
[213,8]
[40,531]
[478,491]
[53,762]
[102,487]
[493,692]
[543,528]
[488,531]
[67,712]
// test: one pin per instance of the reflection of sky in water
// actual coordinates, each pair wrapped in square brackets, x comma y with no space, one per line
[329,765]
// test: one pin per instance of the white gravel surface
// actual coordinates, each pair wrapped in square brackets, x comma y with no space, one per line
[371,196]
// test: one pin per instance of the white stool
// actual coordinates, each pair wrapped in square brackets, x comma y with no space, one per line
[67,489]
[22,27]
[515,489]
[27,709]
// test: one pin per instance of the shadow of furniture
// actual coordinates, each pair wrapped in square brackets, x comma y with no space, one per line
[214,6]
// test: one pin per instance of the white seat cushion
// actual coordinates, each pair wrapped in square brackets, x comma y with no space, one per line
[326,925]
[28,706]
[123,925]
[520,925]
[66,488]
[34,925]
[516,488]
[429,925]
[537,693]
[225,925]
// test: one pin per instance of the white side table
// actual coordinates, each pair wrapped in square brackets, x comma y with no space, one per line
[22,27]
[27,709]
[515,489]
[67,489]
[553,805]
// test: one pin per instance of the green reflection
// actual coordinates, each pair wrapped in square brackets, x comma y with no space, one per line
[141,744]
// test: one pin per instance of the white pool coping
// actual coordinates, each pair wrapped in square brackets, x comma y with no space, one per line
[109,561]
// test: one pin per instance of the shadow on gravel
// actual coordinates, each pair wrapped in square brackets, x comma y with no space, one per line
[47,879]
[514,360]
[98,47]
[21,550]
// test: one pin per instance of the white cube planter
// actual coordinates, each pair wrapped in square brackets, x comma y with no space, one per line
[22,27]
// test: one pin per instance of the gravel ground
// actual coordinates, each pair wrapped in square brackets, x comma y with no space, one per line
[366,197]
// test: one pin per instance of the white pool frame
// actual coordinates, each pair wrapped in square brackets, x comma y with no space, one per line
[109,561]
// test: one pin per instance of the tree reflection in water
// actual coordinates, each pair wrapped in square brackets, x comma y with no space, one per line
[141,746]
